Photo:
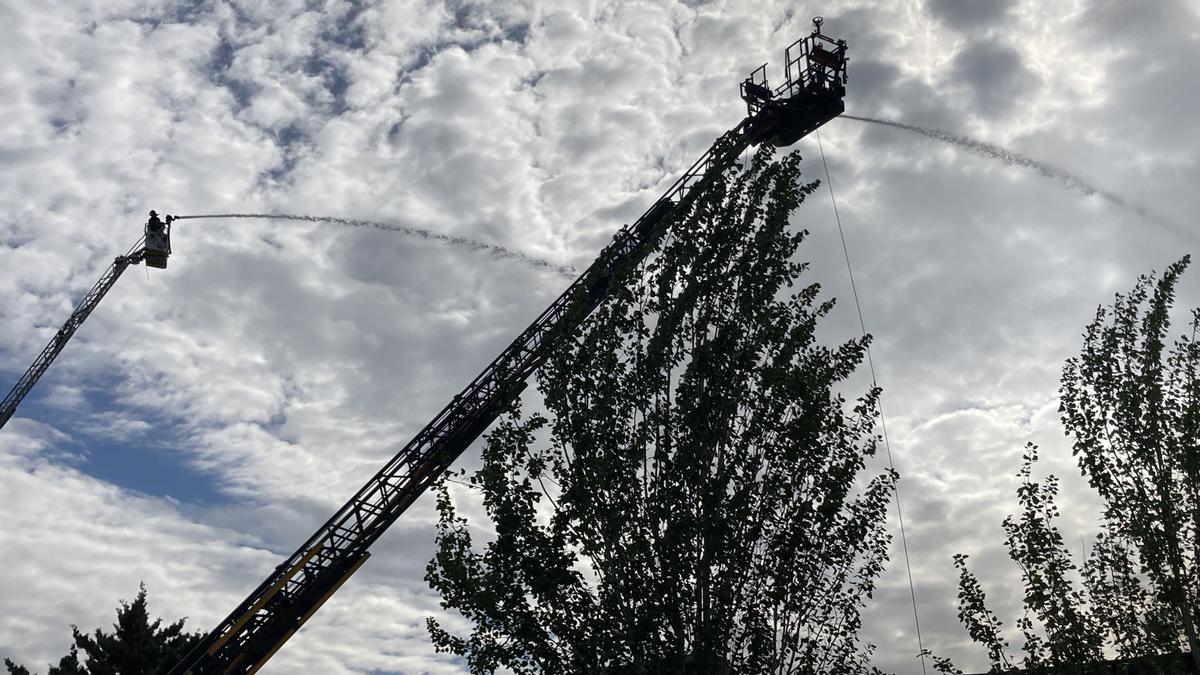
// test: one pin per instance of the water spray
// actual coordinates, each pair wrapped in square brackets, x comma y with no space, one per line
[1062,176]
[493,250]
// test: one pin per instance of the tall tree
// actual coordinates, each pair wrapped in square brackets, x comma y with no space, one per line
[136,645]
[1058,627]
[1131,405]
[695,500]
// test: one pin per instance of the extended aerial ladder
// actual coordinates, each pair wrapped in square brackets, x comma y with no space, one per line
[153,248]
[243,642]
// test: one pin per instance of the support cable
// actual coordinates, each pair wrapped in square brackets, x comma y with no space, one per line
[882,420]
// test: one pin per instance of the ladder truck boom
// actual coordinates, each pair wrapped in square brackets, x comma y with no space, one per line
[251,634]
[153,248]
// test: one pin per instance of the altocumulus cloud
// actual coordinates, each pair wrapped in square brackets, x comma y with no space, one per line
[277,366]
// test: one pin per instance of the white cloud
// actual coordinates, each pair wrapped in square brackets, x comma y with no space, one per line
[72,546]
[288,361]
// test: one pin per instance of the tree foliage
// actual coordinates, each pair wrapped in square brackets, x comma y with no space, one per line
[1130,404]
[1057,627]
[136,645]
[695,500]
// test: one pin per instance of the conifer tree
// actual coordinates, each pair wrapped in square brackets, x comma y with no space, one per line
[136,645]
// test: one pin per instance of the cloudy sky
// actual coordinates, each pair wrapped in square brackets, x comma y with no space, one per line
[209,416]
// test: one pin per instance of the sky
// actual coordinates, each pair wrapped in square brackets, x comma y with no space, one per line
[208,417]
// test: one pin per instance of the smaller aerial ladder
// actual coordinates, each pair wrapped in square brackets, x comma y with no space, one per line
[811,95]
[153,248]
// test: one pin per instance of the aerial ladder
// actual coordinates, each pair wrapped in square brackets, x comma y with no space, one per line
[152,248]
[811,95]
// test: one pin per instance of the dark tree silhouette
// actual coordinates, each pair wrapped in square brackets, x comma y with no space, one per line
[695,500]
[1130,403]
[136,645]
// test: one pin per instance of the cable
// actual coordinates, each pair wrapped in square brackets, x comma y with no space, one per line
[882,420]
[463,483]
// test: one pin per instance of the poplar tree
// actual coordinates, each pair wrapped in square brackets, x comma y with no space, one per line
[695,498]
[1130,403]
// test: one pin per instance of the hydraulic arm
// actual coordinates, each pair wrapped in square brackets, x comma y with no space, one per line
[56,344]
[281,604]
[297,588]
[153,248]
